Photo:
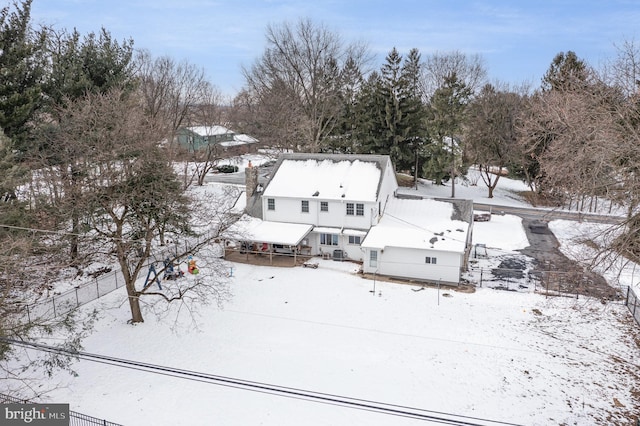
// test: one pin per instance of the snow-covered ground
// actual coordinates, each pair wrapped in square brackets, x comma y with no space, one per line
[515,357]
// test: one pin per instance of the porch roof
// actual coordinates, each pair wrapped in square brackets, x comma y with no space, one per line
[252,229]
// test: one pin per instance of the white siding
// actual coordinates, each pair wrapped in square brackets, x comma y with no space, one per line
[410,263]
[290,210]
[353,251]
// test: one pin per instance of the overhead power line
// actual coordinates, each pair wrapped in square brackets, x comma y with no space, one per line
[271,389]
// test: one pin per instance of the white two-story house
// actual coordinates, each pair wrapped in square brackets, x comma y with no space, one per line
[348,207]
[342,196]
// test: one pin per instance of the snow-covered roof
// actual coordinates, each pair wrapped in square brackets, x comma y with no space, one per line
[209,130]
[245,138]
[325,178]
[326,230]
[354,232]
[253,229]
[231,143]
[342,231]
[420,224]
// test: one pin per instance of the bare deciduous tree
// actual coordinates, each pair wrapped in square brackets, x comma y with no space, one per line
[133,197]
[570,135]
[172,91]
[297,79]
[491,139]
[437,67]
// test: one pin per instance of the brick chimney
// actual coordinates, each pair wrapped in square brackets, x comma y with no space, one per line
[251,181]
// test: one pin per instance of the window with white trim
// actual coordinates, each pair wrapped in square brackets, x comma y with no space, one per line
[359,209]
[271,204]
[305,206]
[349,209]
[329,239]
[324,206]
[354,239]
[430,260]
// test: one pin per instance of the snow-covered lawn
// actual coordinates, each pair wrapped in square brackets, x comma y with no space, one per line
[514,357]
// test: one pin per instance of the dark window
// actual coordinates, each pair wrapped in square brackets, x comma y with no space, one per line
[431,260]
[324,206]
[305,206]
[271,204]
[350,209]
[329,239]
[354,239]
[359,209]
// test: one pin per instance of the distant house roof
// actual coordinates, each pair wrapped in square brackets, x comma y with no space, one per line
[245,138]
[420,224]
[327,176]
[209,130]
[239,140]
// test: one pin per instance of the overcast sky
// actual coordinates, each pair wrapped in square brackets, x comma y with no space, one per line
[517,39]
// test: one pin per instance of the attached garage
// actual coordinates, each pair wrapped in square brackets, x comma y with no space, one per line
[417,239]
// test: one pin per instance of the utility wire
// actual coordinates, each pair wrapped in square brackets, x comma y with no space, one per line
[271,389]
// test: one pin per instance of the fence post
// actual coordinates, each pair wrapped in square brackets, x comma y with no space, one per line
[53,302]
[97,288]
[28,314]
[626,302]
[77,299]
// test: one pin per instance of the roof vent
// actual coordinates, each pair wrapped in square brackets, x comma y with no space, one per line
[315,194]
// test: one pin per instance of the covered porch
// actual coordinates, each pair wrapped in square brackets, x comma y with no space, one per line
[269,243]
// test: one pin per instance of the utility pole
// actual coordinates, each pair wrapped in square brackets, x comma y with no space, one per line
[453,170]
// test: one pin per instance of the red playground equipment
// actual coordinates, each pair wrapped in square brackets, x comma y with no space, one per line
[192,268]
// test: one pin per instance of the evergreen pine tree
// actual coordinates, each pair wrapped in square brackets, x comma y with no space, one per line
[370,117]
[566,72]
[21,68]
[414,117]
[445,118]
[342,138]
[83,65]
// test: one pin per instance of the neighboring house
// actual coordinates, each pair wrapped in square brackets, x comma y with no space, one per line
[199,137]
[352,205]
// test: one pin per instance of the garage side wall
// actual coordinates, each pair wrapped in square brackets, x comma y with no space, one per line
[412,264]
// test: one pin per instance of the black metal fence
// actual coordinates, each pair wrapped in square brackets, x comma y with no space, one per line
[523,279]
[633,303]
[75,418]
[572,282]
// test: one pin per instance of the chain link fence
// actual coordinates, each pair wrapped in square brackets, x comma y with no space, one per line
[633,303]
[75,418]
[63,303]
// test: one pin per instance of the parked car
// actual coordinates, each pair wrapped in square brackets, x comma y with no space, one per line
[227,168]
